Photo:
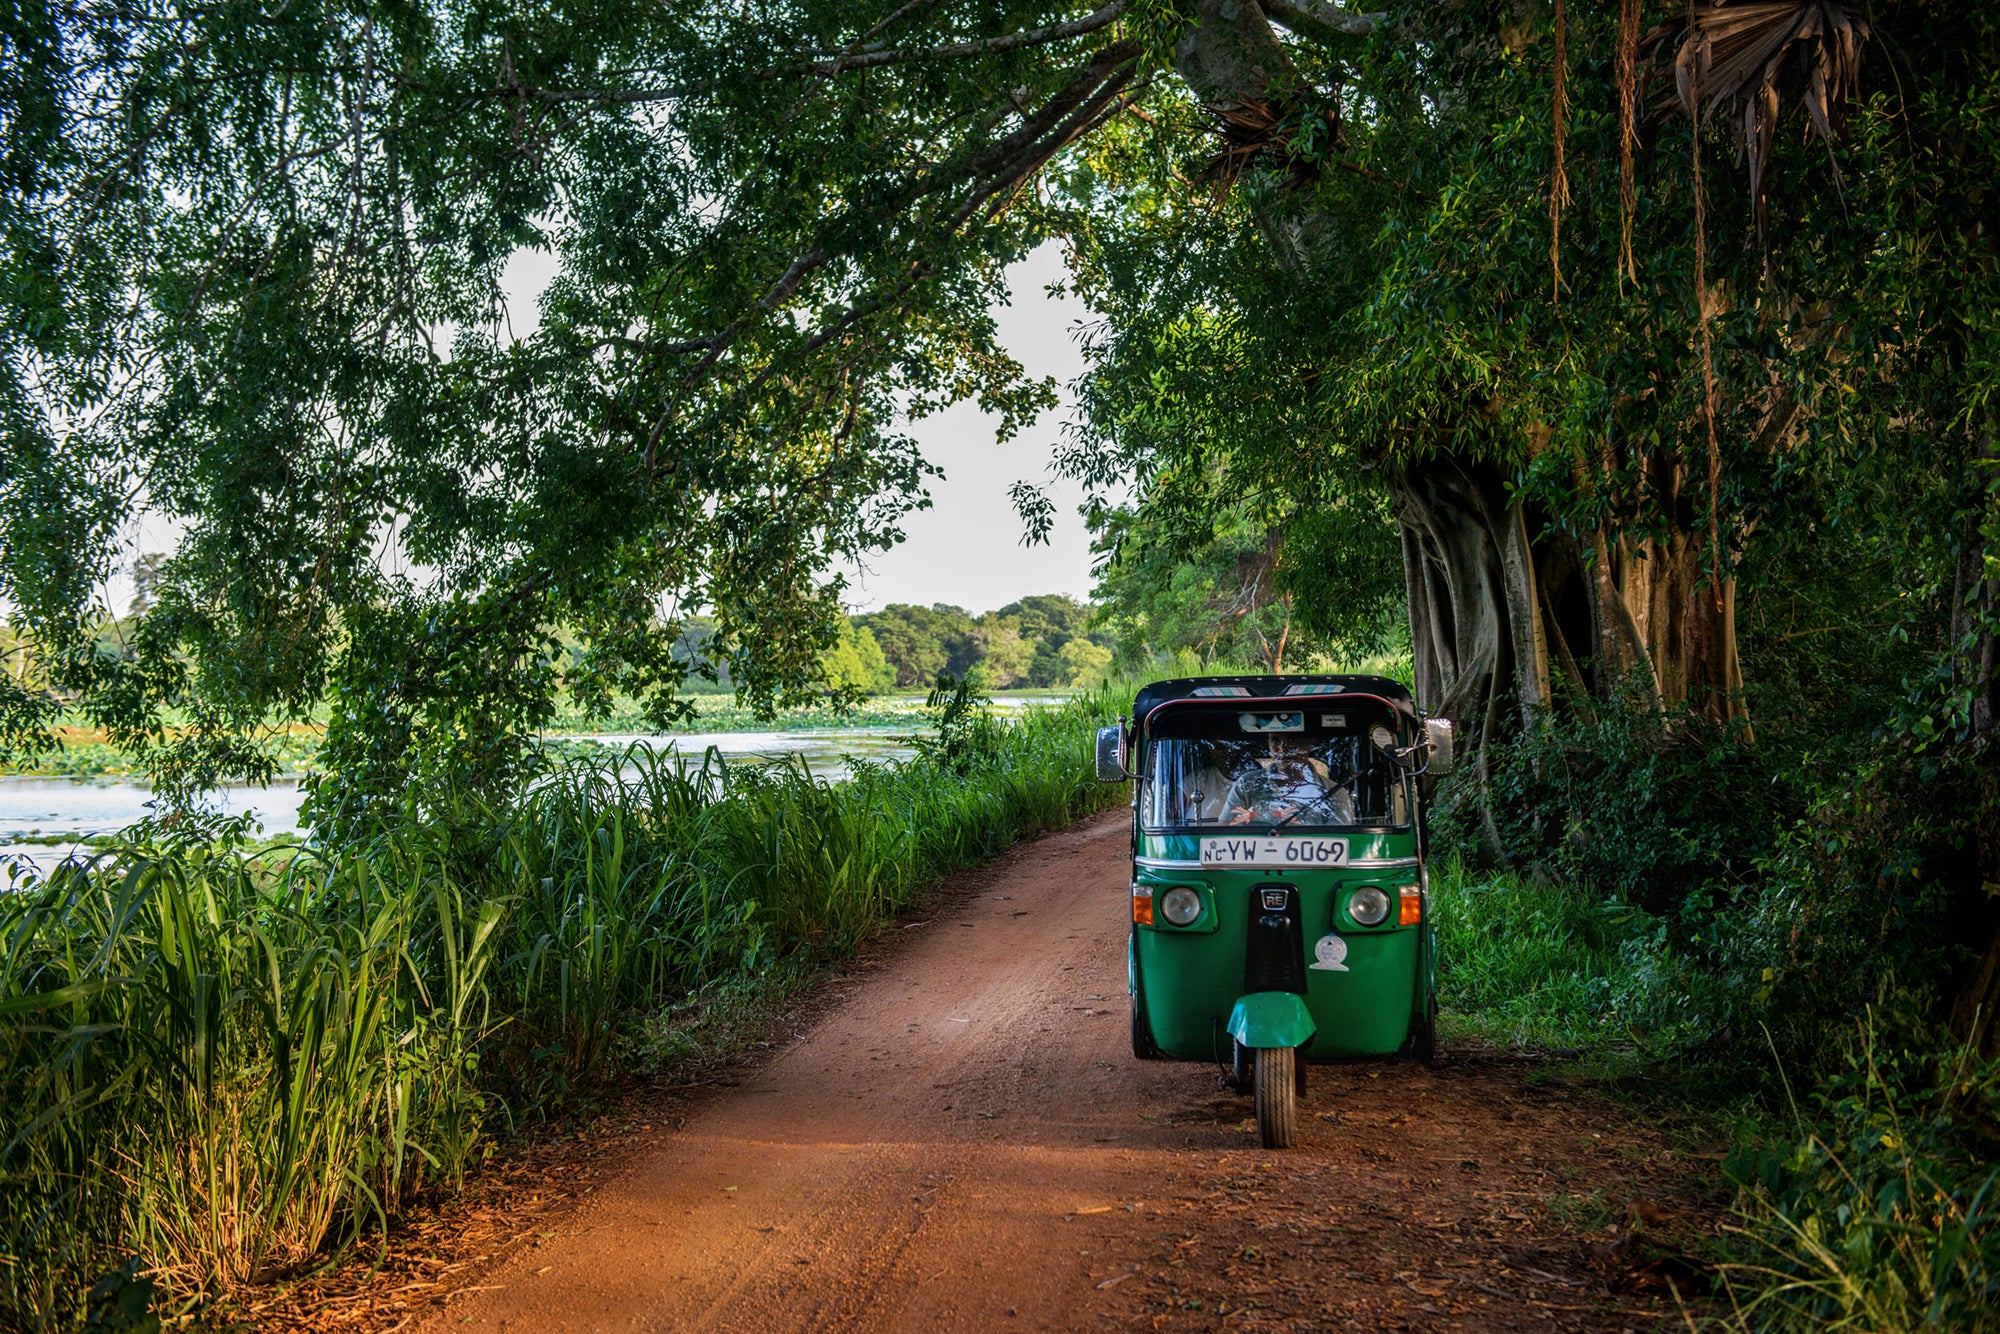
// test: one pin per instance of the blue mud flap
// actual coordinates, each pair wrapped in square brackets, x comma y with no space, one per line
[1271,1019]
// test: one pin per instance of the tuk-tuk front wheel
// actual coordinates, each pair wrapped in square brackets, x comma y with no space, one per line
[1143,1046]
[1277,1096]
[1423,1033]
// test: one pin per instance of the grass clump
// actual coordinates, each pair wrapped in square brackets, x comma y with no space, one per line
[1881,1214]
[208,1064]
[232,1064]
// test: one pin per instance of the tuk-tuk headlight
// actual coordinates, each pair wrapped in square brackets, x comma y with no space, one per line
[1368,906]
[1180,905]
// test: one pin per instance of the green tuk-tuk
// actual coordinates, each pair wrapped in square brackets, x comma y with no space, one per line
[1280,907]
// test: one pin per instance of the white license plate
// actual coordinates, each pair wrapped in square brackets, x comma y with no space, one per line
[1274,852]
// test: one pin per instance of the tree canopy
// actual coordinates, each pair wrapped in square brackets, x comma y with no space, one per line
[1479,282]
[254,265]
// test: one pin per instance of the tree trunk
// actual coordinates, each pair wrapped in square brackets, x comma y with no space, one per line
[1495,600]
[1473,628]
[1274,654]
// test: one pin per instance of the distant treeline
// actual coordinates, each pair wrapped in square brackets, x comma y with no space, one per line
[1046,641]
[1038,641]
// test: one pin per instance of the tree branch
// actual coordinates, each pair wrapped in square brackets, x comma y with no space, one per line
[779,292]
[1069,113]
[1317,18]
[874,55]
[880,53]
[1101,105]
[1105,66]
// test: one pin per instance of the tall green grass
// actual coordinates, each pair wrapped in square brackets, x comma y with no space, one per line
[232,1066]
[208,1063]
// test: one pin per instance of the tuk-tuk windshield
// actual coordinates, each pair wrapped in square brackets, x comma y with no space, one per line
[1300,782]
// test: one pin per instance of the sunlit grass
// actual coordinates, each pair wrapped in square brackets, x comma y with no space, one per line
[1534,964]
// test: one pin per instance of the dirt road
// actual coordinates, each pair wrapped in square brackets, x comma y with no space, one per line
[963,1141]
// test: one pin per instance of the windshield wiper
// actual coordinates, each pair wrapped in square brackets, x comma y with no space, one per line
[1288,819]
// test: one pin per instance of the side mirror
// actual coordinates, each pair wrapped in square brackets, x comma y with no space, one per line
[1437,737]
[1111,754]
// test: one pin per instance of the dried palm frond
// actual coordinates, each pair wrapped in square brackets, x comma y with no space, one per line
[1734,55]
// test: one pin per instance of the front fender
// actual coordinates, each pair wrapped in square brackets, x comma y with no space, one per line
[1271,1019]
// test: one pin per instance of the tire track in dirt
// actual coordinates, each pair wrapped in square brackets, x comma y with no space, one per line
[964,1141]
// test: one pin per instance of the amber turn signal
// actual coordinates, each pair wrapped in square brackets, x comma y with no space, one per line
[1142,904]
[1410,910]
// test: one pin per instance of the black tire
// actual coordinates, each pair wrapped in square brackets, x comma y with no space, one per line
[1277,1096]
[1424,1033]
[1242,1067]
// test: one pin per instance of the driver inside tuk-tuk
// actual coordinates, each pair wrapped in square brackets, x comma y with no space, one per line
[1299,781]
[1288,784]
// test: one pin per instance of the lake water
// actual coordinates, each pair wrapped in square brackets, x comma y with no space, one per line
[69,809]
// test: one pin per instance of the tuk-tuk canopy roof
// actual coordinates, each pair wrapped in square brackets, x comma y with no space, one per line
[1222,688]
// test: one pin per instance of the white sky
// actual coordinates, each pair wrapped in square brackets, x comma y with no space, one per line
[966,549]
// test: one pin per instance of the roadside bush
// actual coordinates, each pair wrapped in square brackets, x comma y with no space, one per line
[1880,1214]
[1724,907]
[1878,881]
[1623,801]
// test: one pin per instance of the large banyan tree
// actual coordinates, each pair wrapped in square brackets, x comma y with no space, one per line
[1597,305]
[254,293]
[1588,294]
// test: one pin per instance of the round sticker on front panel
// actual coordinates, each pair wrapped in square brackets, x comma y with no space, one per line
[1330,953]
